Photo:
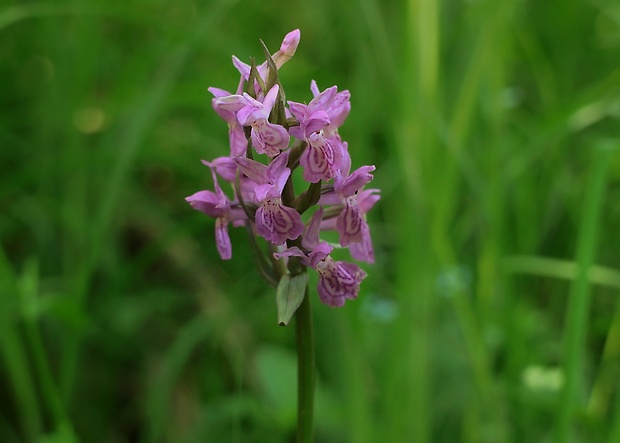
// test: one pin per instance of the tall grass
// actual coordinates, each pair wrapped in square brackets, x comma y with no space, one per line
[491,313]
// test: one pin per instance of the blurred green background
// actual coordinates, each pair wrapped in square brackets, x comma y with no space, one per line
[491,314]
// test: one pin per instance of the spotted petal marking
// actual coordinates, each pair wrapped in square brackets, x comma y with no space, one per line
[319,159]
[277,223]
[349,222]
[338,281]
[269,138]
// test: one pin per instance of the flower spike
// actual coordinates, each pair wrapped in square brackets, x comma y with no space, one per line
[269,138]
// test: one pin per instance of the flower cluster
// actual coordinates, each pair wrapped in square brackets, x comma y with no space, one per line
[289,135]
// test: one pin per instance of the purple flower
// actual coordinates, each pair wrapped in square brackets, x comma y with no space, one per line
[288,47]
[225,167]
[274,221]
[277,223]
[268,180]
[238,142]
[284,54]
[327,110]
[318,123]
[337,105]
[338,280]
[321,159]
[363,250]
[263,191]
[217,205]
[351,222]
[267,138]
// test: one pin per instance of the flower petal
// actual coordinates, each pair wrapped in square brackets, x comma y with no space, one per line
[269,138]
[207,202]
[367,198]
[270,99]
[318,160]
[289,252]
[254,170]
[287,48]
[363,251]
[299,110]
[231,103]
[323,100]
[243,68]
[319,120]
[314,88]
[338,281]
[319,253]
[360,177]
[238,142]
[278,223]
[224,166]
[349,222]
[277,166]
[339,108]
[311,234]
[222,239]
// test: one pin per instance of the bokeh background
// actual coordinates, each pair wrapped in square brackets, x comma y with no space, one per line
[491,313]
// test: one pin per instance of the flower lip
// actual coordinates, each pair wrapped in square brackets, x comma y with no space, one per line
[338,281]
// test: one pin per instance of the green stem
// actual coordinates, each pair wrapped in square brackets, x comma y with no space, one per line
[49,390]
[579,302]
[305,370]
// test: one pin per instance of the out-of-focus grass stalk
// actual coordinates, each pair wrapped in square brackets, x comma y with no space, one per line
[435,162]
[354,363]
[29,294]
[562,269]
[409,393]
[305,370]
[607,378]
[614,433]
[578,307]
[158,399]
[13,353]
[146,109]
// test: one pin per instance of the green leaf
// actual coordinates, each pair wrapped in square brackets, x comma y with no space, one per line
[278,114]
[254,75]
[272,72]
[290,293]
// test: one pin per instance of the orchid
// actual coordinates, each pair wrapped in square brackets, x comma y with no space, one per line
[217,205]
[355,203]
[238,142]
[318,123]
[261,122]
[274,221]
[363,250]
[269,139]
[338,280]
[285,53]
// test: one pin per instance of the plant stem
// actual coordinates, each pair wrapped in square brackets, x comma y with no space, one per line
[305,370]
[579,302]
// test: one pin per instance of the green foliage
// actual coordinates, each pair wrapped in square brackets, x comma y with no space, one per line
[290,293]
[493,126]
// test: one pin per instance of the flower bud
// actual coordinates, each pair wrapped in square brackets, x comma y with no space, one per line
[287,49]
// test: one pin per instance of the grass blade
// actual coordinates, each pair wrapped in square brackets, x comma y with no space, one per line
[579,301]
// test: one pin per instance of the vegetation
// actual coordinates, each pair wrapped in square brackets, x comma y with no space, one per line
[491,313]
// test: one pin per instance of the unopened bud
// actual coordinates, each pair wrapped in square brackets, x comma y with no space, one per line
[287,48]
